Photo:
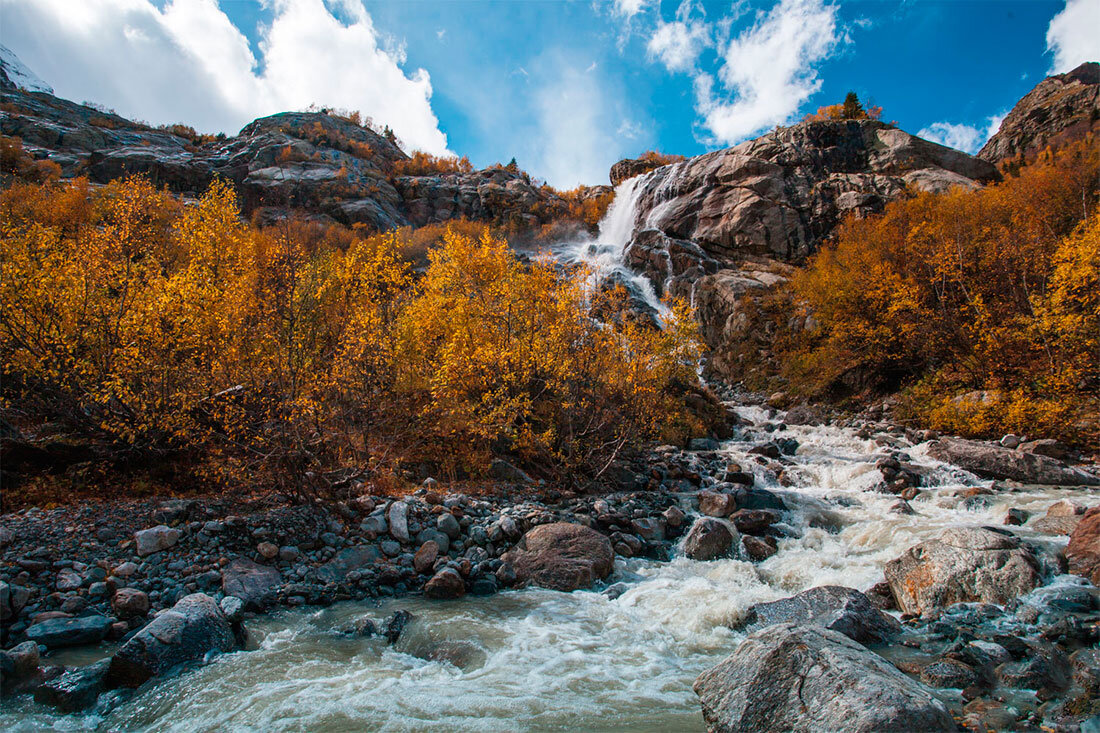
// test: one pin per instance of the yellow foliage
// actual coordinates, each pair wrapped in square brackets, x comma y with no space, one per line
[426,164]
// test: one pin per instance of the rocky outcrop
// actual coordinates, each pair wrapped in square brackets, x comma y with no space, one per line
[808,678]
[1083,550]
[992,461]
[561,556]
[1059,110]
[319,162]
[187,632]
[963,564]
[631,167]
[709,539]
[830,606]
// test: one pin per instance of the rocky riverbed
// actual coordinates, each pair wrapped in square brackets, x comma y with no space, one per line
[932,573]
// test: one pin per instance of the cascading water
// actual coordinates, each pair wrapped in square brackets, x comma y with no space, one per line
[545,660]
[606,255]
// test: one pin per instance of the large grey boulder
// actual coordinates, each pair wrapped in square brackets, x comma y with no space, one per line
[831,606]
[964,564]
[74,690]
[346,560]
[61,632]
[187,632]
[709,539]
[808,678]
[155,539]
[253,583]
[561,556]
[989,460]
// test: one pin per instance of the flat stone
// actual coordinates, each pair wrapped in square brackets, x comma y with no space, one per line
[61,632]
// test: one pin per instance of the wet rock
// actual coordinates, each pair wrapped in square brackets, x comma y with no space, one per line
[749,498]
[1016,517]
[1083,550]
[1044,666]
[445,584]
[881,597]
[804,415]
[12,600]
[561,556]
[949,673]
[187,632]
[716,504]
[77,689]
[61,632]
[649,528]
[831,606]
[1061,518]
[395,625]
[759,549]
[703,444]
[753,521]
[233,608]
[461,654]
[709,539]
[155,539]
[253,583]
[345,561]
[448,525]
[425,557]
[992,461]
[130,603]
[808,678]
[674,516]
[963,564]
[68,579]
[19,663]
[267,550]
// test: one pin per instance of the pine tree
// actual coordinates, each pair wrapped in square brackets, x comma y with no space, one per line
[853,110]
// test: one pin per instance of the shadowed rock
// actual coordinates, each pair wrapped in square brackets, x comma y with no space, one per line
[562,556]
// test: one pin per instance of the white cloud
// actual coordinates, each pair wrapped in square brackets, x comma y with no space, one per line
[629,129]
[1073,35]
[678,44]
[189,63]
[768,71]
[629,8]
[961,137]
[967,138]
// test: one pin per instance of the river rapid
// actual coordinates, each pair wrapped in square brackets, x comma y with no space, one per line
[622,659]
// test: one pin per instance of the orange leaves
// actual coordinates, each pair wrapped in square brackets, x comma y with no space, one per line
[426,164]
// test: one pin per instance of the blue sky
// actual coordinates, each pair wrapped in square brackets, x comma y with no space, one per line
[567,87]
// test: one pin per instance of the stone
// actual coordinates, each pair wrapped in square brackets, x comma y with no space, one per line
[186,633]
[68,579]
[55,633]
[1046,447]
[398,518]
[703,444]
[949,673]
[446,584]
[649,529]
[808,678]
[759,549]
[289,553]
[345,561]
[992,461]
[964,564]
[174,511]
[24,659]
[1016,516]
[130,603]
[709,539]
[425,557]
[267,550]
[716,504]
[155,539]
[804,415]
[831,606]
[561,556]
[1083,550]
[1009,441]
[126,569]
[674,516]
[232,607]
[75,690]
[753,521]
[448,525]
[504,471]
[12,600]
[254,584]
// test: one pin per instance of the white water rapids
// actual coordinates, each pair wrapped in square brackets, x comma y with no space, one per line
[566,661]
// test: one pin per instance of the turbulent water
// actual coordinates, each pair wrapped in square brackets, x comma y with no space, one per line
[544,660]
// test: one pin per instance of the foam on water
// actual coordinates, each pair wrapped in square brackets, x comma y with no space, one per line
[555,661]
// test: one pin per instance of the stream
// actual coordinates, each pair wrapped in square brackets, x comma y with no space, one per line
[542,660]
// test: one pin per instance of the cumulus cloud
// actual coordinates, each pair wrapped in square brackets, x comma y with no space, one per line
[678,44]
[188,63]
[768,71]
[967,138]
[1073,35]
[629,8]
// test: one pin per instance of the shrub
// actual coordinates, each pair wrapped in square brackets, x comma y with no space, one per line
[426,164]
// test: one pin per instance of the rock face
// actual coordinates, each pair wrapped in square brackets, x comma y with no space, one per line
[316,161]
[807,678]
[992,461]
[561,556]
[1059,110]
[1083,551]
[964,564]
[629,168]
[185,633]
[830,606]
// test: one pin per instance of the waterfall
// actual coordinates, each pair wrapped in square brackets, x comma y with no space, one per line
[605,256]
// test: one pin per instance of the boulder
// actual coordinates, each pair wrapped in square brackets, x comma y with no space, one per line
[75,690]
[130,603]
[709,539]
[398,518]
[425,557]
[716,504]
[19,663]
[831,606]
[808,678]
[253,583]
[187,632]
[445,584]
[1061,518]
[61,632]
[753,521]
[12,600]
[561,556]
[989,460]
[346,560]
[155,539]
[964,564]
[1083,550]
